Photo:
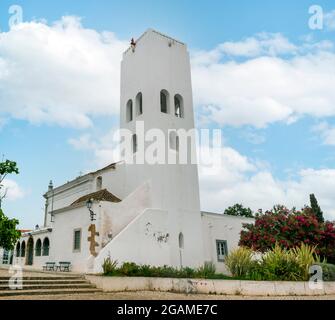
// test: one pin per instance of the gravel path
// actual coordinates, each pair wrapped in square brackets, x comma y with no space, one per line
[159,296]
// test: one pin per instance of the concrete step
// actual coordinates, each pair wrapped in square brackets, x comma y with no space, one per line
[18,293]
[29,282]
[46,278]
[51,286]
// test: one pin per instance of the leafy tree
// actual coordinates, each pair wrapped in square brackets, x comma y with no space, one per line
[8,232]
[240,211]
[316,208]
[290,228]
[7,167]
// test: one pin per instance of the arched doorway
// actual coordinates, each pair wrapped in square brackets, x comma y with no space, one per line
[30,252]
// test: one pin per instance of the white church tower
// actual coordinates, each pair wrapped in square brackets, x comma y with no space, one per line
[146,212]
[156,90]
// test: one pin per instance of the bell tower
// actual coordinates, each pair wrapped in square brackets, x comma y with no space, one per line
[156,92]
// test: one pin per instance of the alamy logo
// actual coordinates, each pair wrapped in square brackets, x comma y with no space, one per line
[316,280]
[319,19]
[158,147]
[316,20]
[15,16]
[16,280]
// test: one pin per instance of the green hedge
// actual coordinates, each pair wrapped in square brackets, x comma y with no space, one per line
[277,264]
[328,271]
[128,269]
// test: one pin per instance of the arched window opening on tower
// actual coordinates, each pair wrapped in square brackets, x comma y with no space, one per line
[179,106]
[174,141]
[139,104]
[38,248]
[164,101]
[129,112]
[46,247]
[134,141]
[99,183]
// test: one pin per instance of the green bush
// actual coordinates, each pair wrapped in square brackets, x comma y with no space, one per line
[207,270]
[145,271]
[187,273]
[280,264]
[306,257]
[277,264]
[240,262]
[287,264]
[328,271]
[109,267]
[129,269]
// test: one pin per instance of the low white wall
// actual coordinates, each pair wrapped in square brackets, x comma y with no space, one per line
[219,287]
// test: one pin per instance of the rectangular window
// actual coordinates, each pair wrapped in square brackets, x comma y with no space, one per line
[5,257]
[221,249]
[77,240]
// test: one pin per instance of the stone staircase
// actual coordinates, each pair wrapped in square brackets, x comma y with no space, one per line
[48,285]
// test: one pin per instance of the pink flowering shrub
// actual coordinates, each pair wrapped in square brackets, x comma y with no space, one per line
[290,228]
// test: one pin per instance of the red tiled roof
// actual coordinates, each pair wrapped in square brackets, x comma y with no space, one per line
[24,231]
[103,195]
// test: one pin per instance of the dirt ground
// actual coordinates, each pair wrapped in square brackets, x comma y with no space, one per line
[158,296]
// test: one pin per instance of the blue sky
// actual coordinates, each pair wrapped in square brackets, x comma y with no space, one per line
[281,158]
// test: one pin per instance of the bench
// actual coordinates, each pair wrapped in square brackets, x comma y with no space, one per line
[64,266]
[49,266]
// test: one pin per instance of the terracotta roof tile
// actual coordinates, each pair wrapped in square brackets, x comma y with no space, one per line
[24,231]
[103,195]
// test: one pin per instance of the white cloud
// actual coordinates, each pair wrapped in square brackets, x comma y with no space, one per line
[66,74]
[272,44]
[267,88]
[241,180]
[254,137]
[84,142]
[12,189]
[60,73]
[327,133]
[329,20]
[104,148]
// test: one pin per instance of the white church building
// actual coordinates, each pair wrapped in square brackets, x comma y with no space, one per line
[143,213]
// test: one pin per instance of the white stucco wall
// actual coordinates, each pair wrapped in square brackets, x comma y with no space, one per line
[63,196]
[115,217]
[144,241]
[224,228]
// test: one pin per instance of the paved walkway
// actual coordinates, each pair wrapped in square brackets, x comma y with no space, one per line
[159,296]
